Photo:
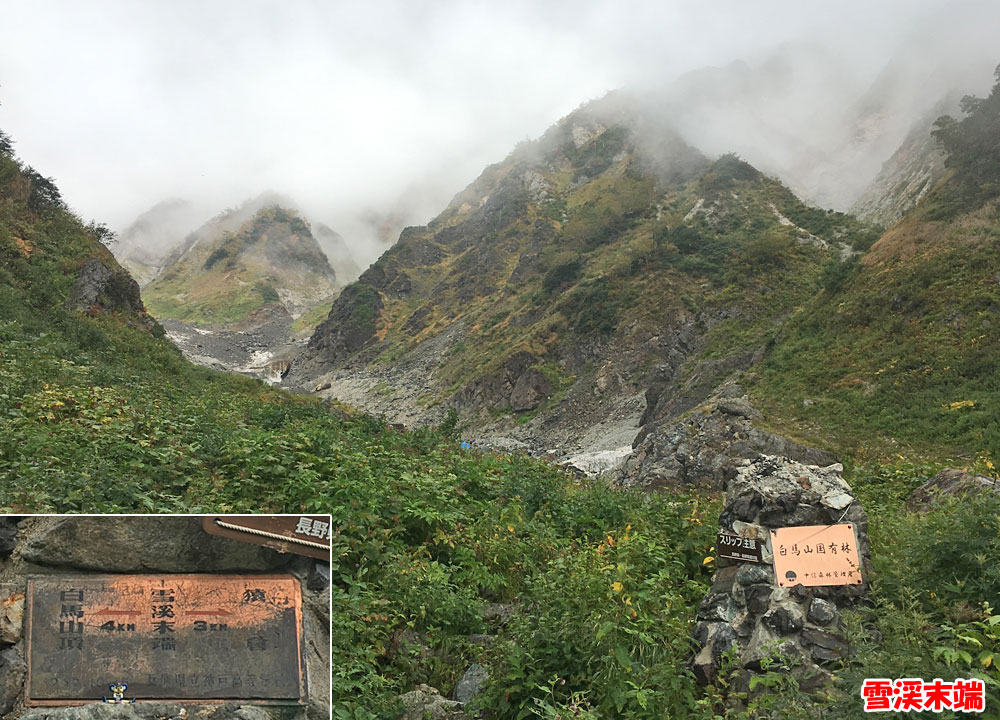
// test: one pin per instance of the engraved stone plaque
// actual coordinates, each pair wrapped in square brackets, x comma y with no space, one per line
[169,637]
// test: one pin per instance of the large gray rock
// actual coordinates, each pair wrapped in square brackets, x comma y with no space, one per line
[8,533]
[703,447]
[103,286]
[745,609]
[471,683]
[951,483]
[143,544]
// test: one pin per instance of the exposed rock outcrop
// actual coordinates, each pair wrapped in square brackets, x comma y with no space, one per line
[103,287]
[951,483]
[471,683]
[703,447]
[746,610]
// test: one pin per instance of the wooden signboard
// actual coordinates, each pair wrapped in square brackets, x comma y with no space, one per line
[168,637]
[815,555]
[735,547]
[302,534]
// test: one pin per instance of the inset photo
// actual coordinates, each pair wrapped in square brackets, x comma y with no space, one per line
[220,616]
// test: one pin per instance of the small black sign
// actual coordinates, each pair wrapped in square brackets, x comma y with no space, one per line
[735,547]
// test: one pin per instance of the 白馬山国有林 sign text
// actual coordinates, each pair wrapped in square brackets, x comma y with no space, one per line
[815,555]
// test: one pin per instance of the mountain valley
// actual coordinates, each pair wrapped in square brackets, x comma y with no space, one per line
[530,417]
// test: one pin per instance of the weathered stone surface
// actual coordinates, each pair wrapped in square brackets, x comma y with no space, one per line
[950,483]
[724,579]
[8,533]
[757,598]
[718,607]
[142,544]
[319,578]
[104,711]
[11,612]
[824,646]
[426,703]
[785,620]
[752,573]
[98,285]
[822,612]
[471,683]
[739,407]
[530,390]
[12,671]
[745,609]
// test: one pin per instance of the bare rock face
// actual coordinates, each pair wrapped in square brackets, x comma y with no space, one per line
[11,613]
[99,286]
[746,610]
[529,390]
[951,483]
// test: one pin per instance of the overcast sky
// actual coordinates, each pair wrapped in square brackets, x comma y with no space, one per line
[345,106]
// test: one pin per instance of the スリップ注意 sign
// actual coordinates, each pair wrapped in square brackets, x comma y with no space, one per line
[735,547]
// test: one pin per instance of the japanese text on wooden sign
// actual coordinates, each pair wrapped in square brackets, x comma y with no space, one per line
[815,555]
[735,547]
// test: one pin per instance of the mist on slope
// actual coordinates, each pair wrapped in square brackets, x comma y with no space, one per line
[371,117]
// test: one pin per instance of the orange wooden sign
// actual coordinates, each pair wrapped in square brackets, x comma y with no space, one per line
[815,555]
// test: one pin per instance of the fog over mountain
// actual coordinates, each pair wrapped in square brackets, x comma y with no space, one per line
[372,117]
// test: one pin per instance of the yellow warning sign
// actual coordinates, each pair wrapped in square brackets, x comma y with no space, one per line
[814,555]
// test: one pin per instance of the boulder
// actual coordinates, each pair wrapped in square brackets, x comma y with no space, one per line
[12,672]
[471,683]
[143,544]
[8,533]
[950,483]
[703,447]
[426,703]
[791,627]
[100,286]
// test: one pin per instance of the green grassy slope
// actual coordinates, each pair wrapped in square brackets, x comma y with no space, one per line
[901,353]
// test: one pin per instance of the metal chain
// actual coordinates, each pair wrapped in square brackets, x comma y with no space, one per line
[264,533]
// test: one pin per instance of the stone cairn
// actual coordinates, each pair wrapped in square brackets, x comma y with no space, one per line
[746,610]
